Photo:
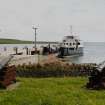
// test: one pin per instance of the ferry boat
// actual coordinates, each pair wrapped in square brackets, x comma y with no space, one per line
[71,45]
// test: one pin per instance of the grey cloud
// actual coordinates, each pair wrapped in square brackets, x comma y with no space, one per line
[53,18]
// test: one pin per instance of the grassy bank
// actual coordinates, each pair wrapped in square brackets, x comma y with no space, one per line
[52,91]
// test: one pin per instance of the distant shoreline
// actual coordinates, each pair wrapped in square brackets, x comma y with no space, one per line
[16,41]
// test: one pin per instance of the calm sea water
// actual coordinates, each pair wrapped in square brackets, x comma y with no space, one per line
[93,52]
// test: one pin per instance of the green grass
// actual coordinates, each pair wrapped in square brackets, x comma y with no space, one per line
[52,91]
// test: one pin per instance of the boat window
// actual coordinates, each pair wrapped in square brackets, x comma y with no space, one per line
[73,43]
[78,43]
[66,43]
[70,44]
[64,40]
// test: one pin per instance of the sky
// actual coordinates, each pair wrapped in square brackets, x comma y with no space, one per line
[53,19]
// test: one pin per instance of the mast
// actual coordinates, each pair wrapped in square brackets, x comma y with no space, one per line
[71,30]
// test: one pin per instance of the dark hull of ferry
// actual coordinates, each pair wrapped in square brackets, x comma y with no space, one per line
[70,51]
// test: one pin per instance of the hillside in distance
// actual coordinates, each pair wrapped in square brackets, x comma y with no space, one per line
[16,41]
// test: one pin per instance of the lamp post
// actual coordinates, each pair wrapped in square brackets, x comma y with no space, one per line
[34,28]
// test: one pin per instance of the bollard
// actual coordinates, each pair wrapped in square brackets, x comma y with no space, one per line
[16,50]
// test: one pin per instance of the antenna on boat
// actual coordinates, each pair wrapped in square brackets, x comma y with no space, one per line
[71,30]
